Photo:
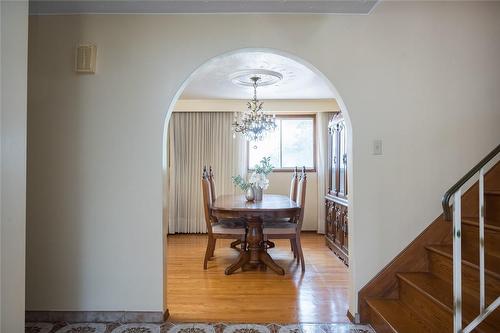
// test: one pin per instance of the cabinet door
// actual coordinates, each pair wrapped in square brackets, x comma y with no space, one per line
[338,225]
[328,220]
[334,221]
[342,157]
[329,229]
[345,243]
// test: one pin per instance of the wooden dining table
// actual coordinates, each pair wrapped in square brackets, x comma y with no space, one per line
[272,206]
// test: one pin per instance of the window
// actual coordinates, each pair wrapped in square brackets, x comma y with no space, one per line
[291,144]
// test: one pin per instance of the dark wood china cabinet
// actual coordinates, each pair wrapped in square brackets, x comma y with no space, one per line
[337,226]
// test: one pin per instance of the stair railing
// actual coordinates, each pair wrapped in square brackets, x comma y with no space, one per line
[456,192]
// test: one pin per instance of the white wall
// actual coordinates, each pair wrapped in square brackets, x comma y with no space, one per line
[13,68]
[423,77]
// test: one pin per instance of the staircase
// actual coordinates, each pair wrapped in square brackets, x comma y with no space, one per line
[422,301]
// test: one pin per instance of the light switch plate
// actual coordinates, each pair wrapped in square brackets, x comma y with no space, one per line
[377,147]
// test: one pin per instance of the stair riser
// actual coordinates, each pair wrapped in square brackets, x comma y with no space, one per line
[379,324]
[395,317]
[470,239]
[472,255]
[492,209]
[442,267]
[439,314]
[419,302]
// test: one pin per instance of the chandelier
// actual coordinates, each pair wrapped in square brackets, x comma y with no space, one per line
[254,124]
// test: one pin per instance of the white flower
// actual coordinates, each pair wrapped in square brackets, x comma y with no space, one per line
[260,180]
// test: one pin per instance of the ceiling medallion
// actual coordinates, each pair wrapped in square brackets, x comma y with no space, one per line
[254,124]
[245,77]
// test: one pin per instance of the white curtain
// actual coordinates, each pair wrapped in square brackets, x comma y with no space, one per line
[322,165]
[197,139]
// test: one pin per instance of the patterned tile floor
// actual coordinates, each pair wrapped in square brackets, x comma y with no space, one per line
[194,328]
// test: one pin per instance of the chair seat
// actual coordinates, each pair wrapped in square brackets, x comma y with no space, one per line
[278,220]
[279,228]
[229,226]
[232,223]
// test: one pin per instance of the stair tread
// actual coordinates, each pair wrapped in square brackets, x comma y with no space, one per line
[399,316]
[441,292]
[490,260]
[474,221]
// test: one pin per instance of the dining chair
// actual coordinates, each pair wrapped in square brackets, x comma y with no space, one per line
[217,229]
[291,230]
[240,222]
[293,196]
[293,185]
[212,183]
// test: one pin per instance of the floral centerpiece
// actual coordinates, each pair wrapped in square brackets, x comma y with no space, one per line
[257,182]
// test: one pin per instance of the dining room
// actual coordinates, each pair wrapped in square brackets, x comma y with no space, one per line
[248,149]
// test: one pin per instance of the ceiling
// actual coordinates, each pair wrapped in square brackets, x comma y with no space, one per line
[201,6]
[213,80]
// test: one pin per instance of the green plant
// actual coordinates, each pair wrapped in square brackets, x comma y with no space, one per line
[258,177]
[240,182]
[265,167]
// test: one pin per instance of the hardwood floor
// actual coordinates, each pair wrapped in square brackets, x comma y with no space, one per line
[197,295]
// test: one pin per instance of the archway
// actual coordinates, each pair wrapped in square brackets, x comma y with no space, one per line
[343,109]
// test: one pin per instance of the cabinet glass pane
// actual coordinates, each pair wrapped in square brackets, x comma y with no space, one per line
[334,162]
[342,159]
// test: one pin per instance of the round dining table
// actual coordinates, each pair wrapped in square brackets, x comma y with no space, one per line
[272,206]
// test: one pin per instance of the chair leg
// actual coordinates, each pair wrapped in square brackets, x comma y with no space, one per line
[208,252]
[300,254]
[214,240]
[293,247]
[235,243]
[243,246]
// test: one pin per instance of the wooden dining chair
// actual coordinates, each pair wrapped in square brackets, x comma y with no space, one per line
[293,196]
[212,183]
[293,185]
[218,229]
[235,222]
[291,230]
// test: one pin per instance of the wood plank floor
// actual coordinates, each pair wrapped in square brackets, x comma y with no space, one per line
[197,295]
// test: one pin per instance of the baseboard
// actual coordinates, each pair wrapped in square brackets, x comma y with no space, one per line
[97,316]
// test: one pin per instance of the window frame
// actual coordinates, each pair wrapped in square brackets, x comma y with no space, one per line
[290,116]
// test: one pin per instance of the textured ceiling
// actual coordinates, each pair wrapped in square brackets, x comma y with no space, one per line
[213,80]
[201,6]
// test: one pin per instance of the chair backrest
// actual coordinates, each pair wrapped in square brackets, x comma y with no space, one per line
[212,183]
[207,199]
[293,185]
[301,197]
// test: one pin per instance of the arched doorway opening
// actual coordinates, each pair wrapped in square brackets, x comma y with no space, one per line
[304,302]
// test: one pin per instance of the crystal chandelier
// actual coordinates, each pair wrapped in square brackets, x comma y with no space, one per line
[254,124]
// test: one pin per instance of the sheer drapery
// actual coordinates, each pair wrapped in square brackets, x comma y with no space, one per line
[197,139]
[322,165]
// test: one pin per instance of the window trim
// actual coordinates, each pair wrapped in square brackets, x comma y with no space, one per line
[291,116]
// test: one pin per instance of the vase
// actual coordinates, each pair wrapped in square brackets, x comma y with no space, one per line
[258,192]
[250,194]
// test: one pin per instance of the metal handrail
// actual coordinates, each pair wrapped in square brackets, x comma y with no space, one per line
[456,192]
[447,196]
